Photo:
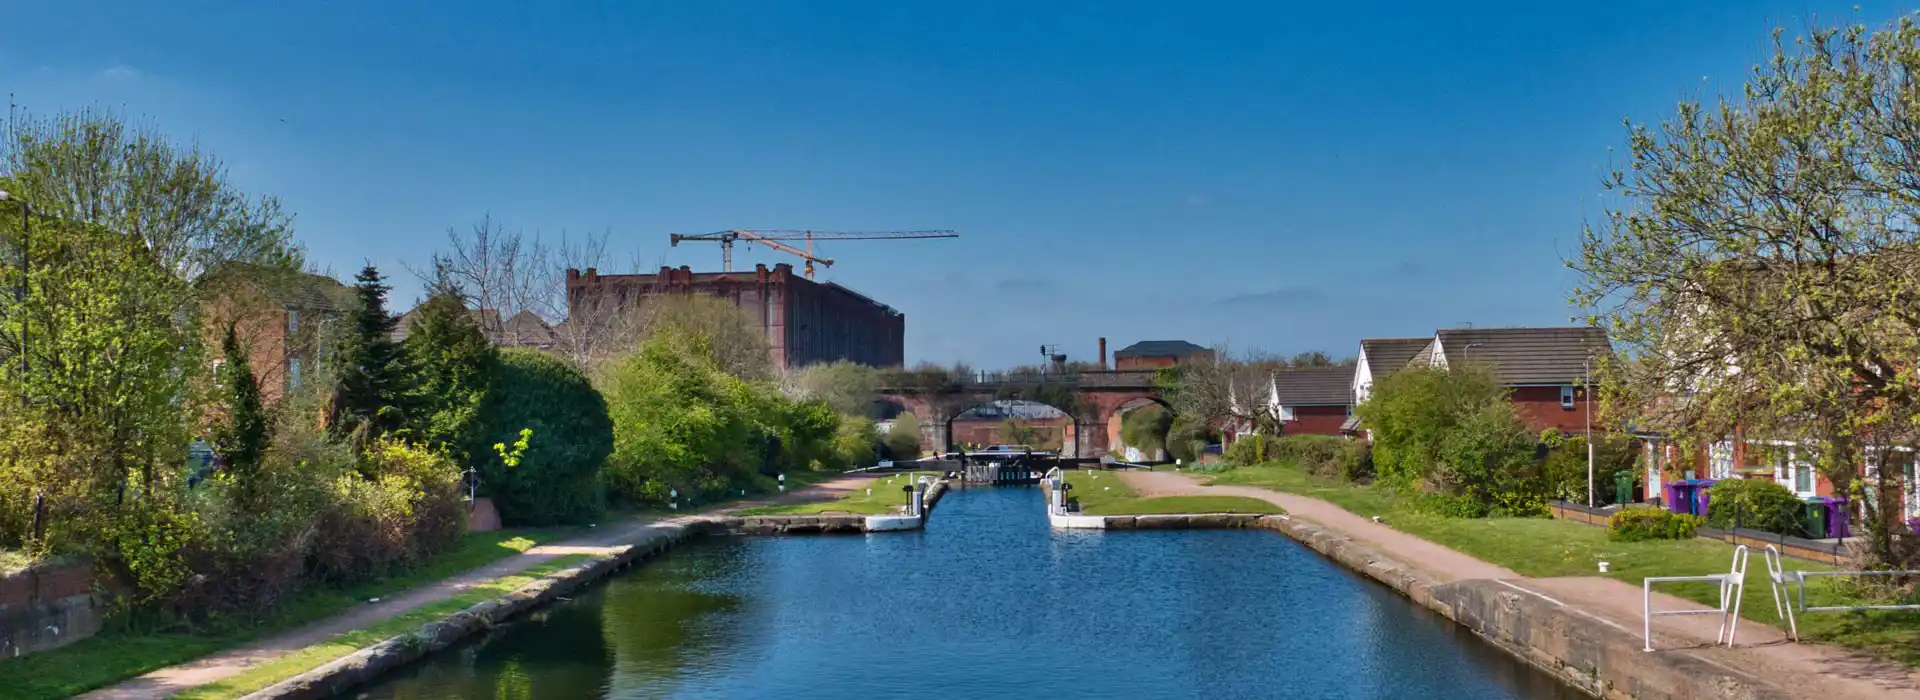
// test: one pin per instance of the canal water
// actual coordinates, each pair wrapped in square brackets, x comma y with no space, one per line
[987,602]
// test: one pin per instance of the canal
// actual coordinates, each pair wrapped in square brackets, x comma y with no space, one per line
[987,602]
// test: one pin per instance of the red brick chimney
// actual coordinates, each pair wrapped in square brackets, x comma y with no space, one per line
[1103,353]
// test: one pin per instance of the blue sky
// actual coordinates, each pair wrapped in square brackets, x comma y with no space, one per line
[1286,176]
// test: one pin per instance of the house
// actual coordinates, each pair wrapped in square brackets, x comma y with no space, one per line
[283,318]
[1156,354]
[1544,369]
[1379,357]
[1312,400]
[487,319]
[527,330]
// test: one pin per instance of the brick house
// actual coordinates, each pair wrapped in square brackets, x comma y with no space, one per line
[1379,357]
[283,318]
[1312,400]
[1156,354]
[1543,369]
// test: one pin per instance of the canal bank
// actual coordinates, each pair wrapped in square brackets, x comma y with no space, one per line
[987,601]
[1584,630]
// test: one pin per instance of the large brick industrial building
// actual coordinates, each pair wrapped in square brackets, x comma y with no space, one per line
[805,322]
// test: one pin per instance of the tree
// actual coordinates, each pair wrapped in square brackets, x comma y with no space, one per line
[848,388]
[370,367]
[452,364]
[1145,428]
[1763,270]
[242,437]
[558,477]
[1412,412]
[903,438]
[92,167]
[731,340]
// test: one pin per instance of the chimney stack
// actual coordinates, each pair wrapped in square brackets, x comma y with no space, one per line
[1103,353]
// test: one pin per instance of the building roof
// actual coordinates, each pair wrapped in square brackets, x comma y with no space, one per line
[1314,386]
[527,329]
[291,288]
[1387,355]
[484,318]
[1350,425]
[1159,348]
[1523,356]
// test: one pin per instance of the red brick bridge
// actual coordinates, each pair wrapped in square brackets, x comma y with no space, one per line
[1094,399]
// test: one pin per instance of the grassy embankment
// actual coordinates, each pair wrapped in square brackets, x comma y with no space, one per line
[117,654]
[312,656]
[1543,547]
[882,496]
[1104,493]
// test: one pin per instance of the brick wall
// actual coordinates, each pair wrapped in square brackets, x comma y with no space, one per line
[46,608]
[1127,363]
[1316,420]
[1539,407]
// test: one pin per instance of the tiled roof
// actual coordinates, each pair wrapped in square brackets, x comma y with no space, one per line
[1527,355]
[1387,355]
[1159,348]
[1314,386]
[301,290]
[526,329]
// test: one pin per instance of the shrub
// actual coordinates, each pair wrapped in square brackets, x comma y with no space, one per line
[1640,524]
[903,439]
[1413,412]
[855,443]
[558,478]
[1759,504]
[682,424]
[408,508]
[1145,428]
[1565,466]
[1488,458]
[1187,438]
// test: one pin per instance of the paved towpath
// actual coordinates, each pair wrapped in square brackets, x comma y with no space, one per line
[225,664]
[1806,670]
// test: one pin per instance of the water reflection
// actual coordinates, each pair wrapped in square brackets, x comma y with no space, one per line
[986,603]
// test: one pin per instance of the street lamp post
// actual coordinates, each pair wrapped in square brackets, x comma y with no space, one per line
[1587,386]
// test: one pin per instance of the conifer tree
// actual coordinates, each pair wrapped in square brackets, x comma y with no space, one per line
[370,399]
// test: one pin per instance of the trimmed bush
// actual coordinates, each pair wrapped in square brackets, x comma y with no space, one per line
[557,479]
[407,509]
[1641,524]
[1324,456]
[1757,504]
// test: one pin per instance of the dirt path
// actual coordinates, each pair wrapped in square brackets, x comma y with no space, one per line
[225,664]
[1807,670]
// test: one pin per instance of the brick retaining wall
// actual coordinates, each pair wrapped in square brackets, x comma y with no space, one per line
[45,608]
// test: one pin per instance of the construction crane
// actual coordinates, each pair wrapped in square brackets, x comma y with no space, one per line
[772,238]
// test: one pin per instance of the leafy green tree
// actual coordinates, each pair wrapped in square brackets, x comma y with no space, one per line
[848,388]
[370,367]
[452,364]
[556,477]
[242,437]
[92,167]
[1759,270]
[1411,412]
[681,422]
[1145,428]
[903,438]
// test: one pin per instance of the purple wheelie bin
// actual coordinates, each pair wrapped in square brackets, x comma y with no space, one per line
[1839,517]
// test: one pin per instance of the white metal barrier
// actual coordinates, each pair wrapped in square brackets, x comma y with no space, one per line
[1733,588]
[1786,599]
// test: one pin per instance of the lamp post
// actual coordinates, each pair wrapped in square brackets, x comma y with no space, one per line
[1586,385]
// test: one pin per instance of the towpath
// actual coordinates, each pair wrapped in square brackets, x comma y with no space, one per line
[221,665]
[1806,670]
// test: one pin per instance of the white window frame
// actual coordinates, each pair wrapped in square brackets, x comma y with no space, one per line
[1566,397]
[293,374]
[1654,449]
[1720,460]
[293,320]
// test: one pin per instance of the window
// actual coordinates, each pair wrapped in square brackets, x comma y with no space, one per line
[1566,397]
[293,320]
[1720,460]
[293,374]
[1802,477]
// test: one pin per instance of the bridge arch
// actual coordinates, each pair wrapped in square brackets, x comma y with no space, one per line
[1113,424]
[1092,399]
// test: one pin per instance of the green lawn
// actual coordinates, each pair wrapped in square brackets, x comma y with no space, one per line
[117,654]
[1104,493]
[882,496]
[1185,504]
[1541,547]
[305,659]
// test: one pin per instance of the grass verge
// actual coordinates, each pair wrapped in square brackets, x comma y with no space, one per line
[302,660]
[1542,547]
[882,496]
[118,654]
[1184,504]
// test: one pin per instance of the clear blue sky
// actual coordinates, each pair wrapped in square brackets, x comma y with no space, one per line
[1288,176]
